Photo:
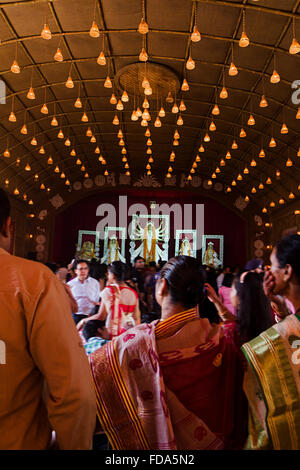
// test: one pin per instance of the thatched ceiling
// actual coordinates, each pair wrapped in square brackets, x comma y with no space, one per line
[269,27]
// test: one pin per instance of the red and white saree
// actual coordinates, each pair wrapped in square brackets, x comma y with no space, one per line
[172,384]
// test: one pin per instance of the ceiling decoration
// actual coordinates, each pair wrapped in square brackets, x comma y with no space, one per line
[163,88]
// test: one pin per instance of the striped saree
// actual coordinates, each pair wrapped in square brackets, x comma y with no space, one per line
[272,386]
[154,383]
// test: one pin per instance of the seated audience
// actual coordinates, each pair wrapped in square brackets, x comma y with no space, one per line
[180,379]
[272,378]
[119,303]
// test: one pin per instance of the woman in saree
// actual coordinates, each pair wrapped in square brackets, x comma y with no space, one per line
[175,383]
[119,306]
[272,380]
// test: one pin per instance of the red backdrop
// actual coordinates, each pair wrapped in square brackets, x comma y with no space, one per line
[218,220]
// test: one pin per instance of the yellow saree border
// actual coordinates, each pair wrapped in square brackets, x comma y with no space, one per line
[268,358]
[166,327]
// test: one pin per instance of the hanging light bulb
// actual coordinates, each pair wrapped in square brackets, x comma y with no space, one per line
[175,142]
[78,103]
[89,132]
[190,64]
[223,93]
[44,109]
[212,126]
[124,159]
[134,116]
[281,201]
[251,120]
[94,31]
[42,150]
[149,151]
[289,162]
[182,106]
[253,162]
[185,85]
[233,183]
[126,165]
[260,186]
[190,177]
[58,55]
[146,116]
[24,130]
[78,161]
[50,161]
[54,121]
[143,57]
[67,142]
[201,148]
[27,167]
[69,82]
[148,91]
[192,170]
[93,139]
[113,99]
[268,180]
[60,134]
[82,168]
[125,97]
[33,141]
[84,117]
[284,129]
[291,196]
[234,145]
[272,142]
[246,199]
[172,156]
[143,27]
[294,47]
[275,78]
[46,33]
[206,138]
[101,59]
[120,134]
[244,41]
[298,113]
[31,95]
[67,183]
[214,175]
[195,36]
[15,67]
[149,142]
[119,106]
[150,160]
[175,108]
[145,83]
[6,153]
[232,70]
[116,121]
[246,171]
[16,192]
[97,150]
[239,177]
[73,153]
[18,161]
[264,210]
[228,155]
[263,102]
[272,204]
[148,166]
[242,133]
[277,174]
[162,112]
[12,117]
[218,170]
[169,98]
[179,121]
[56,169]
[157,122]
[144,123]
[123,151]
[36,177]
[62,175]
[176,134]
[216,110]
[107,83]
[138,112]
[262,153]
[146,103]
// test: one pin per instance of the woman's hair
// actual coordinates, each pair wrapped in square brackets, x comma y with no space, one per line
[253,312]
[288,252]
[119,270]
[98,271]
[227,280]
[185,278]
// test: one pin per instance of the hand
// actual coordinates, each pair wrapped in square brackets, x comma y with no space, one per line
[269,284]
[211,293]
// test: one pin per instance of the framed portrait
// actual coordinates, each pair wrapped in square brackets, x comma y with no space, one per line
[213,250]
[186,243]
[87,245]
[114,245]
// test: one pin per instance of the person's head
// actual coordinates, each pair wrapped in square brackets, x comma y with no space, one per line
[5,221]
[227,280]
[98,271]
[152,267]
[92,329]
[226,269]
[117,272]
[181,282]
[160,264]
[254,265]
[81,269]
[139,263]
[285,264]
[253,308]
[61,273]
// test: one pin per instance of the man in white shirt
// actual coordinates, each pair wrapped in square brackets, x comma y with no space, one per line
[85,290]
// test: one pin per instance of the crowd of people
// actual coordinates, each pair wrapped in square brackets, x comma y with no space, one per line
[174,355]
